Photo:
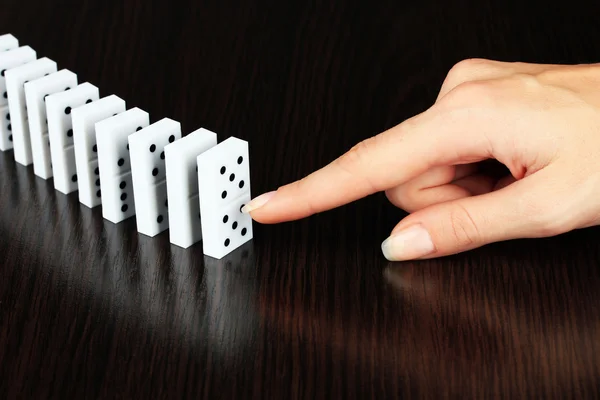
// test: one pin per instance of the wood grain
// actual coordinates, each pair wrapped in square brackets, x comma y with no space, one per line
[309,309]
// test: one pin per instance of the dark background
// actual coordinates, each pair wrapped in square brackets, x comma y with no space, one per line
[308,309]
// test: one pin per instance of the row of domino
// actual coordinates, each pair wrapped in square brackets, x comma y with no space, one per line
[114,158]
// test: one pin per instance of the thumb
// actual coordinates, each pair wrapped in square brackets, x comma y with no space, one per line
[524,209]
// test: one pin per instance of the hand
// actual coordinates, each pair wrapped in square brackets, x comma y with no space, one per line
[541,121]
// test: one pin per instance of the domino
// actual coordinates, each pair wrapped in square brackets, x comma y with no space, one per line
[36,93]
[86,149]
[185,226]
[146,148]
[114,165]
[60,130]
[8,42]
[16,78]
[10,59]
[224,188]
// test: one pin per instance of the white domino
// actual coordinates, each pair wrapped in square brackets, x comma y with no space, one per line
[224,188]
[36,93]
[146,148]
[86,150]
[10,59]
[8,42]
[185,226]
[60,129]
[114,162]
[16,78]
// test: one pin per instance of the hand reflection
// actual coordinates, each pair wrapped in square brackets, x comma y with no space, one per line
[452,329]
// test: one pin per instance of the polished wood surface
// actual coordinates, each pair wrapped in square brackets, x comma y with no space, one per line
[308,309]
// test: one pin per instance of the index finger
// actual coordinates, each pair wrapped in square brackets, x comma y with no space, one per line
[377,164]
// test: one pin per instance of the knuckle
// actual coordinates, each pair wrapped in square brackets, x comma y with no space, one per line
[359,159]
[464,229]
[526,81]
[472,92]
[464,69]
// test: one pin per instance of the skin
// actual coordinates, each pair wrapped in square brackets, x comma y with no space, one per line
[540,121]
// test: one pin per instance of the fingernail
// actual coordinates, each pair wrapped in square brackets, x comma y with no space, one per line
[257,202]
[408,244]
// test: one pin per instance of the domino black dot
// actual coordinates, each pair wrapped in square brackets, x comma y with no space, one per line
[241,184]
[127,146]
[120,162]
[199,217]
[122,185]
[10,138]
[231,177]
[171,139]
[97,171]
[124,207]
[167,203]
[5,95]
[88,101]
[223,169]
[95,148]
[224,194]
[123,196]
[244,231]
[9,127]
[74,178]
[68,110]
[2,73]
[196,168]
[159,219]
[97,182]
[70,133]
[98,194]
[155,172]
[8,116]
[240,159]
[67,88]
[139,128]
[242,206]
[46,74]
[162,156]
[234,225]
[152,148]
[227,241]
[225,219]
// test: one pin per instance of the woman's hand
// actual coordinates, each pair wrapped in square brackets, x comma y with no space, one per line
[541,121]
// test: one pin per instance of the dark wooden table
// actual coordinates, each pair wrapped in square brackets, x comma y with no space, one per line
[309,309]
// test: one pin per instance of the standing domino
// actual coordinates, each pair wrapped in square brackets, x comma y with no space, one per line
[148,174]
[10,59]
[114,162]
[36,93]
[8,42]
[60,129]
[16,78]
[185,227]
[86,149]
[224,188]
